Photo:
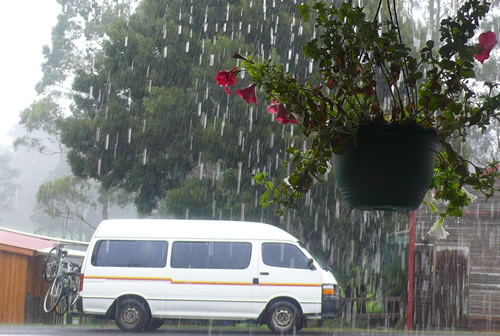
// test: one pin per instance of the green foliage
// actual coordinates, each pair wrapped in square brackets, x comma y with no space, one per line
[66,198]
[193,193]
[147,113]
[358,60]
[42,115]
[68,205]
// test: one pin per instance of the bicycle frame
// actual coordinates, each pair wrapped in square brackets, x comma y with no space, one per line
[64,286]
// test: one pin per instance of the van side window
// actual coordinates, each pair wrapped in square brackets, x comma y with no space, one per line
[213,255]
[283,255]
[130,253]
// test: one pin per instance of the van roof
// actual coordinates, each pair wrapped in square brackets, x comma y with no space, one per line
[189,229]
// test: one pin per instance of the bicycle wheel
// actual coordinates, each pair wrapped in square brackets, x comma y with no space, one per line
[62,305]
[50,265]
[53,295]
[75,289]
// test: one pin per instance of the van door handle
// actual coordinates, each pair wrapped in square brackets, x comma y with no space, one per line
[255,281]
[264,273]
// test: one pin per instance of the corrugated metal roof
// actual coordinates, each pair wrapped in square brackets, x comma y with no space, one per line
[20,240]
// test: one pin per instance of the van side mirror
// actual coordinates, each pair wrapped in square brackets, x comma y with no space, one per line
[310,264]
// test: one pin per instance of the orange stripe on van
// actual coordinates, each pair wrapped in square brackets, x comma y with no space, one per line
[210,283]
[180,282]
[99,277]
[168,279]
[290,284]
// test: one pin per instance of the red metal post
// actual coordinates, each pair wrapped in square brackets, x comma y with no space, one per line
[411,265]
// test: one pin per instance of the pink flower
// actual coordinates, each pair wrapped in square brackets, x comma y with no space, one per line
[248,94]
[226,78]
[281,114]
[273,108]
[486,42]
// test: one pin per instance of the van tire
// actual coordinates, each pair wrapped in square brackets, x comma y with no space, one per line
[283,317]
[154,324]
[132,315]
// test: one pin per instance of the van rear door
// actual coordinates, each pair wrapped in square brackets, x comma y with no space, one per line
[286,271]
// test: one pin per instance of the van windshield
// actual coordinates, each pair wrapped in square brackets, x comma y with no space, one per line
[320,263]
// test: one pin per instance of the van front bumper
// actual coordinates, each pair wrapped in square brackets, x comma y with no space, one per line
[330,307]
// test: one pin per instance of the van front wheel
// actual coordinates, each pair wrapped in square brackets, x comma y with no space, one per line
[132,315]
[283,317]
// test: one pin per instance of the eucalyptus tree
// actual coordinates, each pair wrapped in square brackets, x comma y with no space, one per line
[68,200]
[8,183]
[148,116]
[77,36]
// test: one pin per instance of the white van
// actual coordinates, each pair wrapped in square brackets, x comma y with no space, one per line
[141,271]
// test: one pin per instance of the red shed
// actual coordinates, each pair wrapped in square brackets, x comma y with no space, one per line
[22,287]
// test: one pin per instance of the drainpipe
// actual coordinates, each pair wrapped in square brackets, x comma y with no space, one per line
[411,277]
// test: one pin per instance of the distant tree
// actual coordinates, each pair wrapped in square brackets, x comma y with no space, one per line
[8,184]
[67,207]
[40,121]
[143,118]
[69,199]
[77,29]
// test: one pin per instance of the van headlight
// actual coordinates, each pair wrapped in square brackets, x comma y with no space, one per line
[329,290]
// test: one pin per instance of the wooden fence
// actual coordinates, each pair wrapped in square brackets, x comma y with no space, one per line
[392,311]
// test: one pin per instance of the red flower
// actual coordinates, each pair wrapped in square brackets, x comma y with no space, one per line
[273,108]
[248,94]
[281,115]
[486,42]
[276,107]
[226,78]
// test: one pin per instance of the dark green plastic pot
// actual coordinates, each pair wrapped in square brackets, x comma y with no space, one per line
[386,167]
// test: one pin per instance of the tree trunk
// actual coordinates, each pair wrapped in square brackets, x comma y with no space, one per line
[105,206]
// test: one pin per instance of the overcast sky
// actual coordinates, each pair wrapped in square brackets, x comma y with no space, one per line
[25,26]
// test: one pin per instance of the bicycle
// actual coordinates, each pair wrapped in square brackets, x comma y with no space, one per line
[65,277]
[70,289]
[51,261]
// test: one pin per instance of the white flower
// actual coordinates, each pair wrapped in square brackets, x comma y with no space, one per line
[471,196]
[437,230]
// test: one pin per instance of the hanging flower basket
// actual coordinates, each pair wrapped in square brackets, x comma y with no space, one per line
[386,167]
[368,76]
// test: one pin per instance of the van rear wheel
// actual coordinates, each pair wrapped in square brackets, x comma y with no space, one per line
[283,318]
[132,315]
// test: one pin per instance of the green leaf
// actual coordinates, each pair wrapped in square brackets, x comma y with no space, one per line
[450,152]
[276,193]
[475,118]
[468,73]
[462,170]
[447,64]
[265,197]
[304,12]
[436,101]
[293,180]
[269,185]
[260,177]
